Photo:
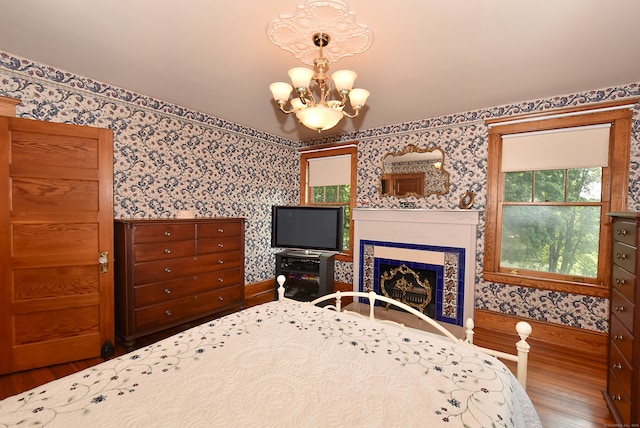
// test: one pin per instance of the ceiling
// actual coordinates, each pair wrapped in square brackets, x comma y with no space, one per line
[428,58]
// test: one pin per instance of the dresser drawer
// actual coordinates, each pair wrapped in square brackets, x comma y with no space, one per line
[229,295]
[621,338]
[164,270]
[164,250]
[216,245]
[619,367]
[226,260]
[624,256]
[191,307]
[163,232]
[216,230]
[159,292]
[625,231]
[623,309]
[624,281]
[619,399]
[226,278]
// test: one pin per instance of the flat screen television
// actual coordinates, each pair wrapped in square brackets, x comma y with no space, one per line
[307,228]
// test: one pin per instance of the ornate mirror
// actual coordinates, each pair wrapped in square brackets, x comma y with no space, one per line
[414,171]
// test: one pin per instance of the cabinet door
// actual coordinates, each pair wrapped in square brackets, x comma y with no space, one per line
[56,219]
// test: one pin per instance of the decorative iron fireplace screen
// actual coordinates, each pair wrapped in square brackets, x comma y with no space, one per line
[416,288]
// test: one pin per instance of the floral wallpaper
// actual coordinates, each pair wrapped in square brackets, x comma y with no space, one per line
[168,158]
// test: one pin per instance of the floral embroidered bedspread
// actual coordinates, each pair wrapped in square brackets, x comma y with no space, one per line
[284,364]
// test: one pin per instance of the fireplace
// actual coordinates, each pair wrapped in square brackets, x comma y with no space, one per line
[442,264]
[433,244]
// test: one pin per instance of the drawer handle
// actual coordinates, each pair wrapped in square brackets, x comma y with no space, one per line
[220,262]
[167,250]
[167,291]
[620,308]
[167,270]
[220,298]
[622,232]
[617,397]
[622,256]
[221,245]
[616,366]
[167,233]
[220,279]
[617,337]
[167,313]
[620,281]
[221,230]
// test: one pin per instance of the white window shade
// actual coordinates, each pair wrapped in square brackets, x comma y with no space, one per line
[329,171]
[579,147]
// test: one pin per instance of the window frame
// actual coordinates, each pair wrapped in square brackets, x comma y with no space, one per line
[615,183]
[305,191]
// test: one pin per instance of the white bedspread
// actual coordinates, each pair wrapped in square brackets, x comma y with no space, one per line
[284,364]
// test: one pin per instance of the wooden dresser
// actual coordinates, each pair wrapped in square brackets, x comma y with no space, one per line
[623,384]
[169,272]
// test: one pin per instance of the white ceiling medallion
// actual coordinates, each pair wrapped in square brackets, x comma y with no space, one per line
[294,32]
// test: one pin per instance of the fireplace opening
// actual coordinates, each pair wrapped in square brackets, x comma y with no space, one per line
[412,286]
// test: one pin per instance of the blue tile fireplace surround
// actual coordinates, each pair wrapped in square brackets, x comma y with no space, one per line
[445,263]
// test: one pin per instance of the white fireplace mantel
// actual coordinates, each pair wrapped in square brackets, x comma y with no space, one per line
[443,228]
[456,228]
[417,215]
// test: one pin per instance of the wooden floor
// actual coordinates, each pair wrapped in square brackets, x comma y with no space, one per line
[566,394]
[565,386]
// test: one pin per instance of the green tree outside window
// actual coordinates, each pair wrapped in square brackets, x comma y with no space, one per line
[551,221]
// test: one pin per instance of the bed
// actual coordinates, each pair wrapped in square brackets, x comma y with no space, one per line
[287,364]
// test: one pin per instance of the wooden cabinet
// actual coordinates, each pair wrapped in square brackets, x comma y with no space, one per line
[56,242]
[402,184]
[623,382]
[309,275]
[169,272]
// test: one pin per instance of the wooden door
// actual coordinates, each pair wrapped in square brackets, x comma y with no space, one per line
[56,220]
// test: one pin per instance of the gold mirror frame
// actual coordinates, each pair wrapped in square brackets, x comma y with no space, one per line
[467,200]
[414,172]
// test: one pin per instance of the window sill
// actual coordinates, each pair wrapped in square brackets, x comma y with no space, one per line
[549,284]
[344,257]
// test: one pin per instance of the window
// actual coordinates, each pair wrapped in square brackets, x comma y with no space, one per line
[552,180]
[328,177]
[551,222]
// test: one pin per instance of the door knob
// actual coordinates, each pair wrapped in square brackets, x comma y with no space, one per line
[104,262]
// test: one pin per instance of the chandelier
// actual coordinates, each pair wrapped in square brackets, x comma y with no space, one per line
[312,105]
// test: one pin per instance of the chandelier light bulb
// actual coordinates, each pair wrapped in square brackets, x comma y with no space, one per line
[280,91]
[296,104]
[301,77]
[344,79]
[319,118]
[358,98]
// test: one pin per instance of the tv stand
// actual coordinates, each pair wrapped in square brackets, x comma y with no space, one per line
[309,274]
